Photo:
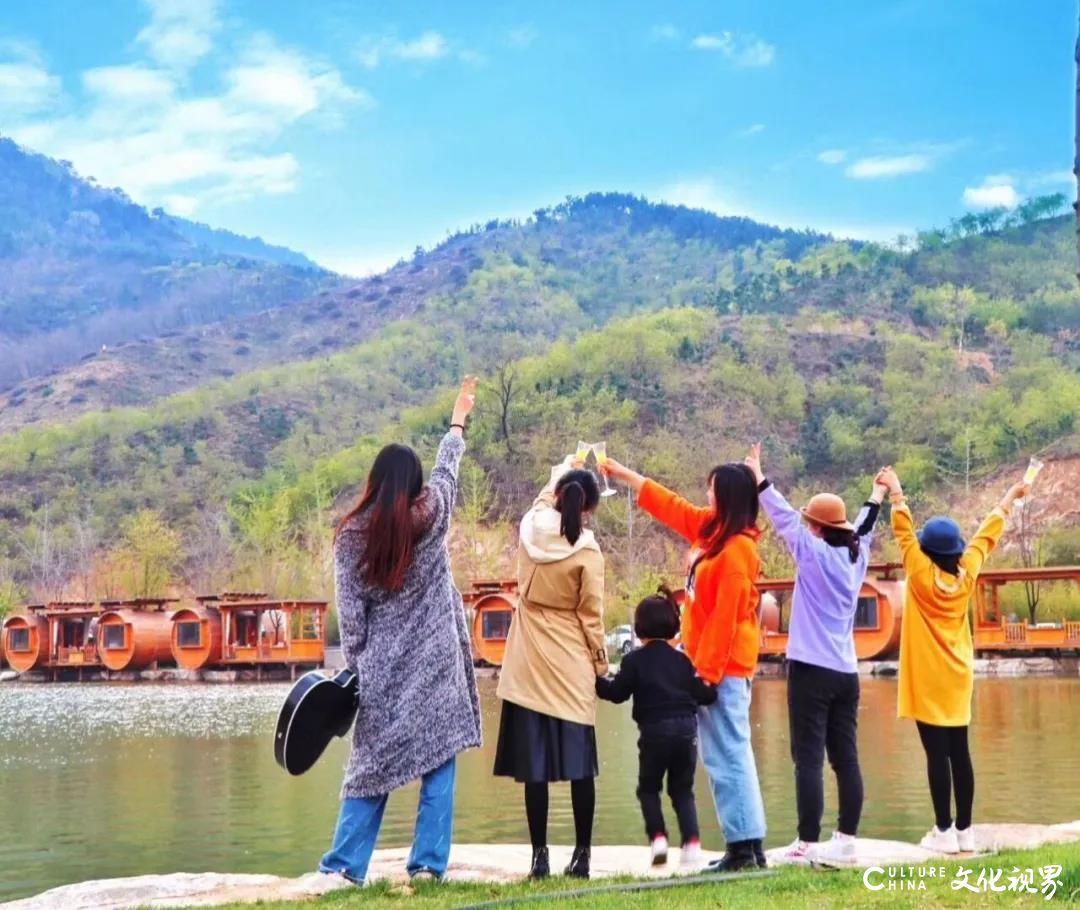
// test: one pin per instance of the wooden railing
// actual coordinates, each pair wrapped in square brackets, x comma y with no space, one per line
[1015,632]
[1072,632]
[78,656]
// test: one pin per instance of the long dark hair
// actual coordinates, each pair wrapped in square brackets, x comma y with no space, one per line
[841,538]
[576,493]
[735,490]
[395,482]
[949,564]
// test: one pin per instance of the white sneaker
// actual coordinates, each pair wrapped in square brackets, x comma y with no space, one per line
[659,850]
[797,853]
[940,841]
[690,855]
[965,839]
[840,850]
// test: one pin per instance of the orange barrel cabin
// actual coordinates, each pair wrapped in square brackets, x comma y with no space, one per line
[259,631]
[135,634]
[26,639]
[492,604]
[196,635]
[72,635]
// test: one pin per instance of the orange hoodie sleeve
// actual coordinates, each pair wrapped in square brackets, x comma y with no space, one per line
[672,511]
[726,585]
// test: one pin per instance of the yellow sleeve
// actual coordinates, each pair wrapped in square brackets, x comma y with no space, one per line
[591,612]
[984,541]
[903,525]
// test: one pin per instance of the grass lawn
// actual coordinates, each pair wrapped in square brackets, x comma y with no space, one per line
[788,888]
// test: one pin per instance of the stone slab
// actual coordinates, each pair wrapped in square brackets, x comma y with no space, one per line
[472,863]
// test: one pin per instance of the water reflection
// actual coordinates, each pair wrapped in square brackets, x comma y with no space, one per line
[101,781]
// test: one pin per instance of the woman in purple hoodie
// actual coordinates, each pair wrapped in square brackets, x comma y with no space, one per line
[831,558]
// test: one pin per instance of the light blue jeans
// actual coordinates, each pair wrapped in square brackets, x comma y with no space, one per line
[359,821]
[728,757]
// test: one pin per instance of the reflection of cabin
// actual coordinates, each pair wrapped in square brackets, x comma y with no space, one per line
[255,630]
[877,615]
[994,632]
[196,634]
[492,604]
[134,634]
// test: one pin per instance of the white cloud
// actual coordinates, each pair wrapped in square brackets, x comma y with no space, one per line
[742,50]
[700,193]
[26,85]
[129,84]
[523,36]
[357,263]
[886,166]
[751,130]
[1054,178]
[426,47]
[141,126]
[180,32]
[665,32]
[996,191]
[832,156]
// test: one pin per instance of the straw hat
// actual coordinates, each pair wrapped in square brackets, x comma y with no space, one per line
[829,511]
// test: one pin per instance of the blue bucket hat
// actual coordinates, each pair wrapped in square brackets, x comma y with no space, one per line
[942,536]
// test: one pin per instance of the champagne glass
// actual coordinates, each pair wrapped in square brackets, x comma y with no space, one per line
[582,452]
[1033,469]
[600,450]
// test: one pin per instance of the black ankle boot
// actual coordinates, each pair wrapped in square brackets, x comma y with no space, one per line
[541,865]
[738,857]
[579,863]
[759,855]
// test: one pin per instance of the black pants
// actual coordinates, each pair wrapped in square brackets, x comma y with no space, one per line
[948,767]
[668,747]
[823,714]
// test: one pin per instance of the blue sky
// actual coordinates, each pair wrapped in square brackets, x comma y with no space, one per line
[355,131]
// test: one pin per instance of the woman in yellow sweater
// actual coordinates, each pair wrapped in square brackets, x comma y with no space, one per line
[936,655]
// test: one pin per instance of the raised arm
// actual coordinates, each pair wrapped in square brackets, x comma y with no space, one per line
[787,521]
[546,497]
[990,531]
[903,524]
[868,515]
[668,508]
[443,481]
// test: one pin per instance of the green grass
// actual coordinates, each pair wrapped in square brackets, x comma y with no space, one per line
[788,888]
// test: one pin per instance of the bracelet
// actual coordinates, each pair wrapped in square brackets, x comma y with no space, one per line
[458,426]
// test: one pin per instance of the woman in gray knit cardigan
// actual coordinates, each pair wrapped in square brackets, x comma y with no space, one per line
[404,635]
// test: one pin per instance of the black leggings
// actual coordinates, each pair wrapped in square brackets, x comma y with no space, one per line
[582,798]
[948,767]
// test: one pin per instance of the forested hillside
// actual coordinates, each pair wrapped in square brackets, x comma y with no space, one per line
[676,336]
[82,266]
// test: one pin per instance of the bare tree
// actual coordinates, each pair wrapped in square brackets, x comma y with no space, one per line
[209,548]
[47,557]
[506,391]
[85,541]
[1030,538]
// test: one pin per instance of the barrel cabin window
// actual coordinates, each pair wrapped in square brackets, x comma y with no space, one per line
[113,636]
[496,624]
[866,613]
[189,634]
[18,640]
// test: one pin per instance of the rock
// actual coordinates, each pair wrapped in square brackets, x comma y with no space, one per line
[220,676]
[886,668]
[8,676]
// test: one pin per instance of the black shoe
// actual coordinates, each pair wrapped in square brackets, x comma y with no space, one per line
[738,857]
[759,855]
[541,865]
[579,863]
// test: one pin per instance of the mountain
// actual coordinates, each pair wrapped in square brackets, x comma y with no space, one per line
[675,336]
[596,257]
[82,266]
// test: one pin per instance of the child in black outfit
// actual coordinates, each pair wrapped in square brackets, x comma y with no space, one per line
[666,693]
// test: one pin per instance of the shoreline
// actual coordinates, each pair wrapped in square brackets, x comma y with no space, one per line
[992,667]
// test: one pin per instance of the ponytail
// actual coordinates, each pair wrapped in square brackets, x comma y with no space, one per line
[571,504]
[576,493]
[837,537]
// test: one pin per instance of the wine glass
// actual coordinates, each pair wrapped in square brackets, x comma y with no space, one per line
[600,450]
[1033,469]
[582,451]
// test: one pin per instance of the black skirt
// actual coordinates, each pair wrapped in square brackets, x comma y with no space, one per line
[536,748]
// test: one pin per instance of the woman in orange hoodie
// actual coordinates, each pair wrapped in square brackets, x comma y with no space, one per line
[720,635]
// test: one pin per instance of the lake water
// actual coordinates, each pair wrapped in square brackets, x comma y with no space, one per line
[99,781]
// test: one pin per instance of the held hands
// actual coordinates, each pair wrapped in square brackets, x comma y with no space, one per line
[465,401]
[887,479]
[753,462]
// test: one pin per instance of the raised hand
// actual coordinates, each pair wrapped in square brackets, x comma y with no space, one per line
[887,478]
[466,399]
[753,462]
[1016,491]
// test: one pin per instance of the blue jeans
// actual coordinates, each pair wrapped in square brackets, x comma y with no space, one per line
[360,819]
[728,757]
